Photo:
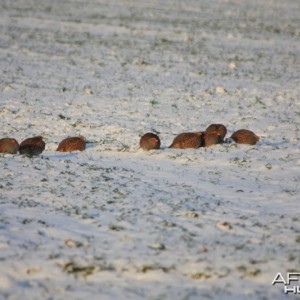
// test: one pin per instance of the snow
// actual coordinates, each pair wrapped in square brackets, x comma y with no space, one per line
[114,222]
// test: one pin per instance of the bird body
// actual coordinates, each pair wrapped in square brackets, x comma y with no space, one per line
[218,129]
[72,144]
[32,146]
[245,136]
[9,145]
[188,140]
[211,139]
[149,141]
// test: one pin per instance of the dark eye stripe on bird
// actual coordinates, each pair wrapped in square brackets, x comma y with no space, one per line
[245,136]
[72,144]
[188,140]
[149,141]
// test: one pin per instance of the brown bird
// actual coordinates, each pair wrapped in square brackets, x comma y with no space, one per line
[245,136]
[188,140]
[9,145]
[72,144]
[211,139]
[32,146]
[149,141]
[218,129]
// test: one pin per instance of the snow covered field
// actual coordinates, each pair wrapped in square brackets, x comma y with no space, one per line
[114,222]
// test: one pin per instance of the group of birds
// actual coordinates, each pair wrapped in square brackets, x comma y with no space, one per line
[34,146]
[214,134]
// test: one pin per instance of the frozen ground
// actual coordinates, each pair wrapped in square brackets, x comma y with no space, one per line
[114,222]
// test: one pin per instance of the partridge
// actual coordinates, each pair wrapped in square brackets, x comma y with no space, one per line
[72,144]
[188,140]
[9,145]
[32,146]
[218,129]
[149,141]
[211,139]
[245,136]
